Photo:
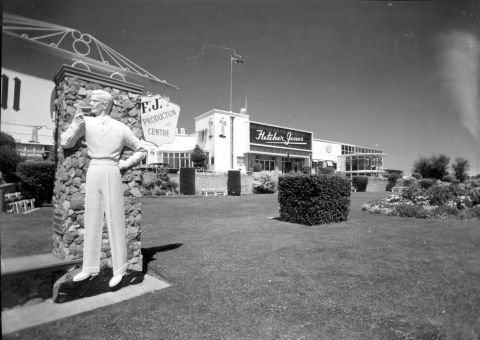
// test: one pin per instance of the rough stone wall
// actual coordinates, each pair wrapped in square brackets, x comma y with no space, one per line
[72,164]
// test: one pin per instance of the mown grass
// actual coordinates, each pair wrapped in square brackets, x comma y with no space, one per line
[237,272]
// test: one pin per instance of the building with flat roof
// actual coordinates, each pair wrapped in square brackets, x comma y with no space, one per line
[232,141]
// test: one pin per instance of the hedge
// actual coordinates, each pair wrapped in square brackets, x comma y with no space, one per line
[37,180]
[313,199]
[187,181]
[360,183]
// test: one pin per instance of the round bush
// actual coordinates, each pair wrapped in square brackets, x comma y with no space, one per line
[148,180]
[37,180]
[426,183]
[257,167]
[360,183]
[417,175]
[408,210]
[306,170]
[326,171]
[447,178]
[264,182]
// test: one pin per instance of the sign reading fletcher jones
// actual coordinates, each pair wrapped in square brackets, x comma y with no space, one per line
[280,137]
[159,119]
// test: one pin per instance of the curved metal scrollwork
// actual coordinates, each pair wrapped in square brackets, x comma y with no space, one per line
[84,46]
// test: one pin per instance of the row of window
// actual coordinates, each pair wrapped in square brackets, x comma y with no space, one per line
[31,150]
[175,160]
[279,151]
[348,150]
[354,163]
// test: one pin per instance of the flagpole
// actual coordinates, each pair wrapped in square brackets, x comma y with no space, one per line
[231,81]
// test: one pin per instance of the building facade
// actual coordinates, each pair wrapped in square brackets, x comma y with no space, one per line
[233,141]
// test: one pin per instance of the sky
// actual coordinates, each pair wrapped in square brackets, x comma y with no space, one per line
[403,75]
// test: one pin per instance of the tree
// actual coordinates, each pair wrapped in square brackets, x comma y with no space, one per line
[9,158]
[432,167]
[439,167]
[460,168]
[198,157]
[422,166]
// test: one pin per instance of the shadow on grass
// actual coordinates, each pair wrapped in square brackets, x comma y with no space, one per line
[149,253]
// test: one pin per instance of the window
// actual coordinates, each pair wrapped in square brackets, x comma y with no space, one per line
[202,135]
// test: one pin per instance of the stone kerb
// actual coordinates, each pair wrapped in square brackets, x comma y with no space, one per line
[74,86]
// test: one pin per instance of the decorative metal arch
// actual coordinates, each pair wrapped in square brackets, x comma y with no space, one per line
[83,48]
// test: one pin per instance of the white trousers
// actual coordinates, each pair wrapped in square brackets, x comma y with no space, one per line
[104,197]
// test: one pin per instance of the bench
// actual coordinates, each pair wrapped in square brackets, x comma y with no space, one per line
[22,206]
[13,196]
[35,264]
[213,192]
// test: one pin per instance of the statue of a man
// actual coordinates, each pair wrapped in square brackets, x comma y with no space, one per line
[105,138]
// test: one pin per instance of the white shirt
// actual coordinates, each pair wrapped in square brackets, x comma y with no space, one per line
[105,138]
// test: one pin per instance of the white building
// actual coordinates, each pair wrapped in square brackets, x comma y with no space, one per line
[232,141]
[27,113]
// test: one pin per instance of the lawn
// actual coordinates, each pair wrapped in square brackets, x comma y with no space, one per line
[238,272]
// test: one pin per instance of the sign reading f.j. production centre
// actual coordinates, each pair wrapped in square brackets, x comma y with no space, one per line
[159,119]
[269,135]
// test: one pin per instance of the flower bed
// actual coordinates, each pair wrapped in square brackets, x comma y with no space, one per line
[438,201]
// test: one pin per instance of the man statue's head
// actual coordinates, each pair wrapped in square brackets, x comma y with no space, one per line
[101,101]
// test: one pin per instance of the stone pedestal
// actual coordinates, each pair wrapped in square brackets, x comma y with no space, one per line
[73,86]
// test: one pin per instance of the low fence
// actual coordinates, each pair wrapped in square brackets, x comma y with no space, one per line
[376,184]
[5,189]
[215,181]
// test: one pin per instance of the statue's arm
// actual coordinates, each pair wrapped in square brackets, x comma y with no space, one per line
[70,136]
[137,146]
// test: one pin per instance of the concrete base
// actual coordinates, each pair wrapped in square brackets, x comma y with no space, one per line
[20,318]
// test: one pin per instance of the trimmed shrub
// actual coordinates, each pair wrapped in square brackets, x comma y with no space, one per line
[313,199]
[306,170]
[409,181]
[392,181]
[264,182]
[411,210]
[474,197]
[158,192]
[426,183]
[474,212]
[445,211]
[417,175]
[148,180]
[412,191]
[234,183]
[448,178]
[326,171]
[198,157]
[440,195]
[187,181]
[360,183]
[165,183]
[257,167]
[9,158]
[37,180]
